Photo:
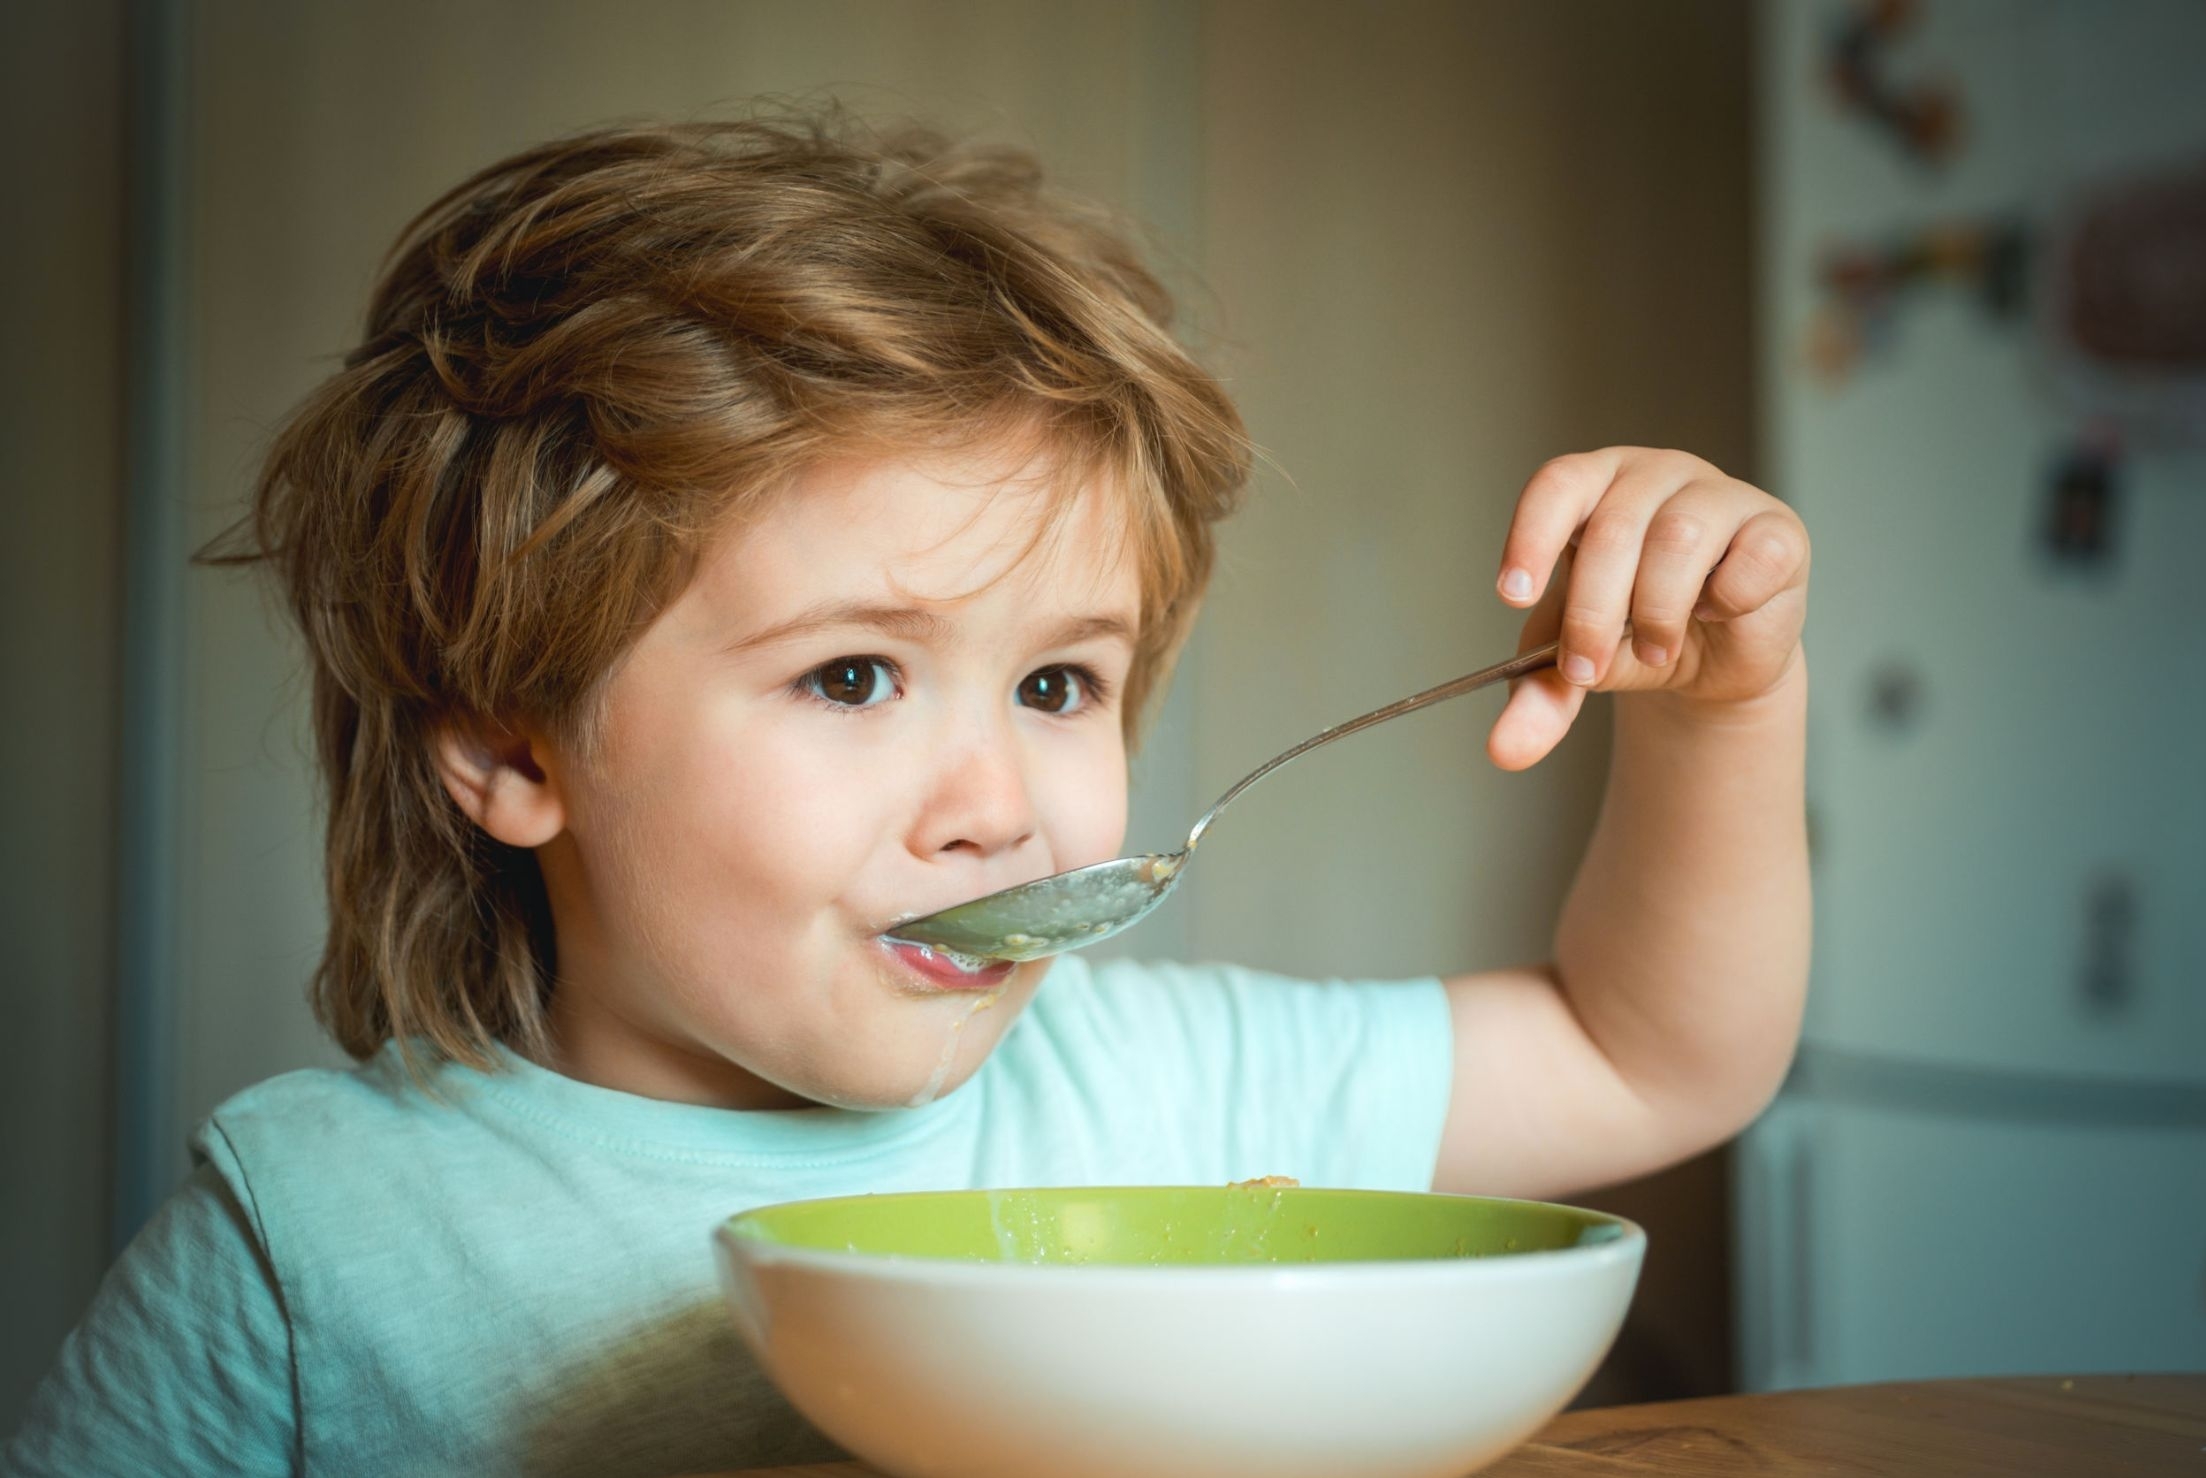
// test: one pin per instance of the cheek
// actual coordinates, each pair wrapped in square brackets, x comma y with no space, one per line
[787,821]
[739,818]
[1086,806]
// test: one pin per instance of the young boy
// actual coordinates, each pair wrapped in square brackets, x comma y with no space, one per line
[728,541]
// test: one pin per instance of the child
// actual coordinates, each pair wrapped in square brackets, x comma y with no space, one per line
[728,541]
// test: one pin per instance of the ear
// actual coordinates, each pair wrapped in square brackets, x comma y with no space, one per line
[499,777]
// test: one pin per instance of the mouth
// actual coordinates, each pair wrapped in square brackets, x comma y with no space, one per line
[945,969]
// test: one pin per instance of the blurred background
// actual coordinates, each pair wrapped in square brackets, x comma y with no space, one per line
[1931,272]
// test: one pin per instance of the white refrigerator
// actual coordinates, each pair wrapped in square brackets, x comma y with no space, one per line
[1991,1156]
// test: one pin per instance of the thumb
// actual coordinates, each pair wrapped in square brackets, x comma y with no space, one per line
[1541,706]
[1539,712]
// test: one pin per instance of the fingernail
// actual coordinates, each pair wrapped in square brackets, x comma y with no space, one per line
[1516,584]
[1578,669]
[1651,654]
[1704,612]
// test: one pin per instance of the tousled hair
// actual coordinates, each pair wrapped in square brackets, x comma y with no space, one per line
[579,364]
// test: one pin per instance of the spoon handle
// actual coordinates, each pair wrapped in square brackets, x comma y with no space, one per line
[1515,667]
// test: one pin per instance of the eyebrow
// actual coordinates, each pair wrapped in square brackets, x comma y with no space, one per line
[915,624]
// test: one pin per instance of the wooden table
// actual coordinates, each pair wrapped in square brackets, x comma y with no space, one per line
[2097,1426]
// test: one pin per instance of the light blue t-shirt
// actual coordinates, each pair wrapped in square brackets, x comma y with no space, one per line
[360,1278]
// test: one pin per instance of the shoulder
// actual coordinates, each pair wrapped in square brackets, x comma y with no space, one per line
[296,1110]
[294,1146]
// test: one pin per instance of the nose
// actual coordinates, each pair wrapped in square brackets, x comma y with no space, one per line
[979,801]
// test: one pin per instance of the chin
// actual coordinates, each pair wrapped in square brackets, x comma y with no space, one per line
[957,1047]
[907,1091]
[927,1054]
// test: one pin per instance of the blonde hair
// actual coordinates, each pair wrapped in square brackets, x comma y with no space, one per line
[581,362]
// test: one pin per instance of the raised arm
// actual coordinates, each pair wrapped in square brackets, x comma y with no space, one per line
[1668,1013]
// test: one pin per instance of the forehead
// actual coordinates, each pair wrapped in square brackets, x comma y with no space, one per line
[944,530]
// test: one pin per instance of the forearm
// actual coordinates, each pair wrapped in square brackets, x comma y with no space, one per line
[1683,947]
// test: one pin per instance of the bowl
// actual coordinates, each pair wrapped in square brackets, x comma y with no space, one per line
[1178,1332]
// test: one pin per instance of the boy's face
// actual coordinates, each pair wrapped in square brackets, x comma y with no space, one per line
[871,702]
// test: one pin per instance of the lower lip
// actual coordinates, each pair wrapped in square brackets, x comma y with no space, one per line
[941,974]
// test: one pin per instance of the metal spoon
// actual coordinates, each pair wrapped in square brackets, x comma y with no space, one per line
[1070,910]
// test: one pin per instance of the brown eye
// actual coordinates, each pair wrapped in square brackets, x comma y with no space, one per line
[1052,690]
[852,682]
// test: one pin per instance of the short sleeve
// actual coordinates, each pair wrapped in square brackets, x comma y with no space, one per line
[1341,1083]
[182,1365]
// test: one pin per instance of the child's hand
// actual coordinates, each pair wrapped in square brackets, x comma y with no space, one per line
[1711,573]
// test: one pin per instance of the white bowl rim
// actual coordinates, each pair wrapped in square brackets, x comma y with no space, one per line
[1628,1244]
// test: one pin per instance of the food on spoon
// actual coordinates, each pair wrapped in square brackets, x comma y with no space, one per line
[1264,1183]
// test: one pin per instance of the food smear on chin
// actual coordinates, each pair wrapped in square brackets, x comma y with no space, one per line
[942,1066]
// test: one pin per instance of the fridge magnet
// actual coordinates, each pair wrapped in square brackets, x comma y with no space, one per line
[1923,119]
[2109,933]
[1896,696]
[2133,275]
[1865,287]
[2077,531]
[2123,310]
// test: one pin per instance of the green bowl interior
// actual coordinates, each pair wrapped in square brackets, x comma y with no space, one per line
[1195,1225]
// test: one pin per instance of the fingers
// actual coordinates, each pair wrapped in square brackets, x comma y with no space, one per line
[1685,538]
[1610,546]
[1642,543]
[1549,511]
[1768,555]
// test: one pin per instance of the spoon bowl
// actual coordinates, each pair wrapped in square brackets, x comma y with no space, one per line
[1070,910]
[1051,915]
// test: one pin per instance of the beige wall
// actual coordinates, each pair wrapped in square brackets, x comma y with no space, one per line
[1451,240]
[60,488]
